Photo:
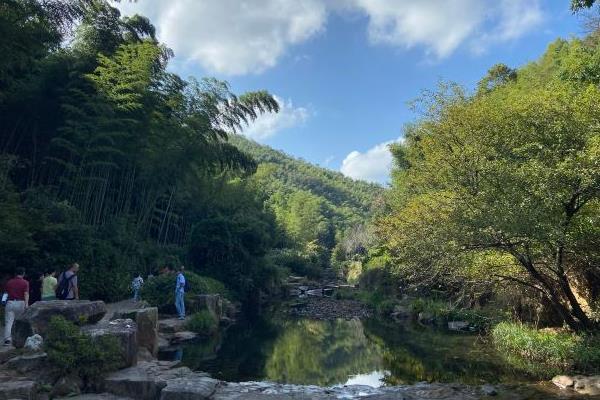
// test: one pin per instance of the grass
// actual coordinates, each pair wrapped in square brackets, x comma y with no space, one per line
[544,353]
[203,322]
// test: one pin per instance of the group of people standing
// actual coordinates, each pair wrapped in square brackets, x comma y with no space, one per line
[17,296]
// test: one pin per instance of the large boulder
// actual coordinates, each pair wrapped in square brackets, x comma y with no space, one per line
[146,320]
[586,385]
[146,380]
[189,389]
[18,389]
[28,363]
[35,319]
[125,331]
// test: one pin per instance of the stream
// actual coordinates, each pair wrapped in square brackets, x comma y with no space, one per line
[343,352]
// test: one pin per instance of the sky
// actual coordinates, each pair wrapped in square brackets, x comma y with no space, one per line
[344,71]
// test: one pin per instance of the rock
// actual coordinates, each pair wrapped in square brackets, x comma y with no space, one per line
[67,386]
[171,325]
[144,355]
[187,389]
[125,331]
[146,320]
[588,385]
[34,343]
[563,381]
[134,383]
[489,390]
[184,336]
[18,389]
[425,317]
[7,352]
[458,325]
[28,363]
[35,319]
[146,380]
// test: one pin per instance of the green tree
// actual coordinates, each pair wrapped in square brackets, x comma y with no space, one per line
[515,172]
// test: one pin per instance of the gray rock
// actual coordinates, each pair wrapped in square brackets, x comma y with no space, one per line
[67,386]
[183,336]
[458,325]
[171,325]
[588,385]
[563,381]
[28,363]
[18,389]
[401,313]
[134,383]
[7,352]
[146,380]
[489,390]
[146,320]
[35,319]
[125,331]
[34,343]
[188,389]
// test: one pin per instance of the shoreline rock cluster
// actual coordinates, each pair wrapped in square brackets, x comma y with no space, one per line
[326,308]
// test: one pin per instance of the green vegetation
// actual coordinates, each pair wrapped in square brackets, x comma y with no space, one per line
[159,291]
[544,353]
[496,194]
[110,160]
[203,322]
[72,352]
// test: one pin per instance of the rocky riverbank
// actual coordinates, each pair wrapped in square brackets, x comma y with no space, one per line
[326,308]
[26,373]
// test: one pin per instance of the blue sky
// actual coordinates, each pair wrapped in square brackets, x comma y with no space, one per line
[344,70]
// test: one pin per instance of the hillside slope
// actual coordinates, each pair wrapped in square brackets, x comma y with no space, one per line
[351,201]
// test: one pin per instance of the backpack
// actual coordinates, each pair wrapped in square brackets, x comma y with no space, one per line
[63,288]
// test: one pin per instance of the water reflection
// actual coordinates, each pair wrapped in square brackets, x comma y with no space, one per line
[329,353]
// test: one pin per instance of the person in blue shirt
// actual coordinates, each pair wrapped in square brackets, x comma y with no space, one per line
[180,293]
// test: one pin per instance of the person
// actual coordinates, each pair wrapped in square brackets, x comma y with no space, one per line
[68,288]
[17,290]
[35,287]
[136,285]
[180,293]
[49,285]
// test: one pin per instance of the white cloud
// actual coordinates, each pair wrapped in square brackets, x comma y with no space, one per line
[441,26]
[269,124]
[236,37]
[374,165]
[231,36]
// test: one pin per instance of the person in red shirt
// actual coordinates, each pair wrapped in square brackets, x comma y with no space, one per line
[17,290]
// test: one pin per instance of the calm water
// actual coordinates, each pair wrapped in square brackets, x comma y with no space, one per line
[329,353]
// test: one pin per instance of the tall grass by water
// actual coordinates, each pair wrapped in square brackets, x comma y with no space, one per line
[546,352]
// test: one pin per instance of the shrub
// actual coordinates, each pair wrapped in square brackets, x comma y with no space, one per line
[544,353]
[72,352]
[160,290]
[203,322]
[386,307]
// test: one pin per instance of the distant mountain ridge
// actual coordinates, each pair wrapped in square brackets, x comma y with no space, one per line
[353,196]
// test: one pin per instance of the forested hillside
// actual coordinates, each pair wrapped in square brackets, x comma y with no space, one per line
[110,160]
[350,201]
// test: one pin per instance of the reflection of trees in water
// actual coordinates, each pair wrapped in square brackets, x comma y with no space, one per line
[322,353]
[414,354]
